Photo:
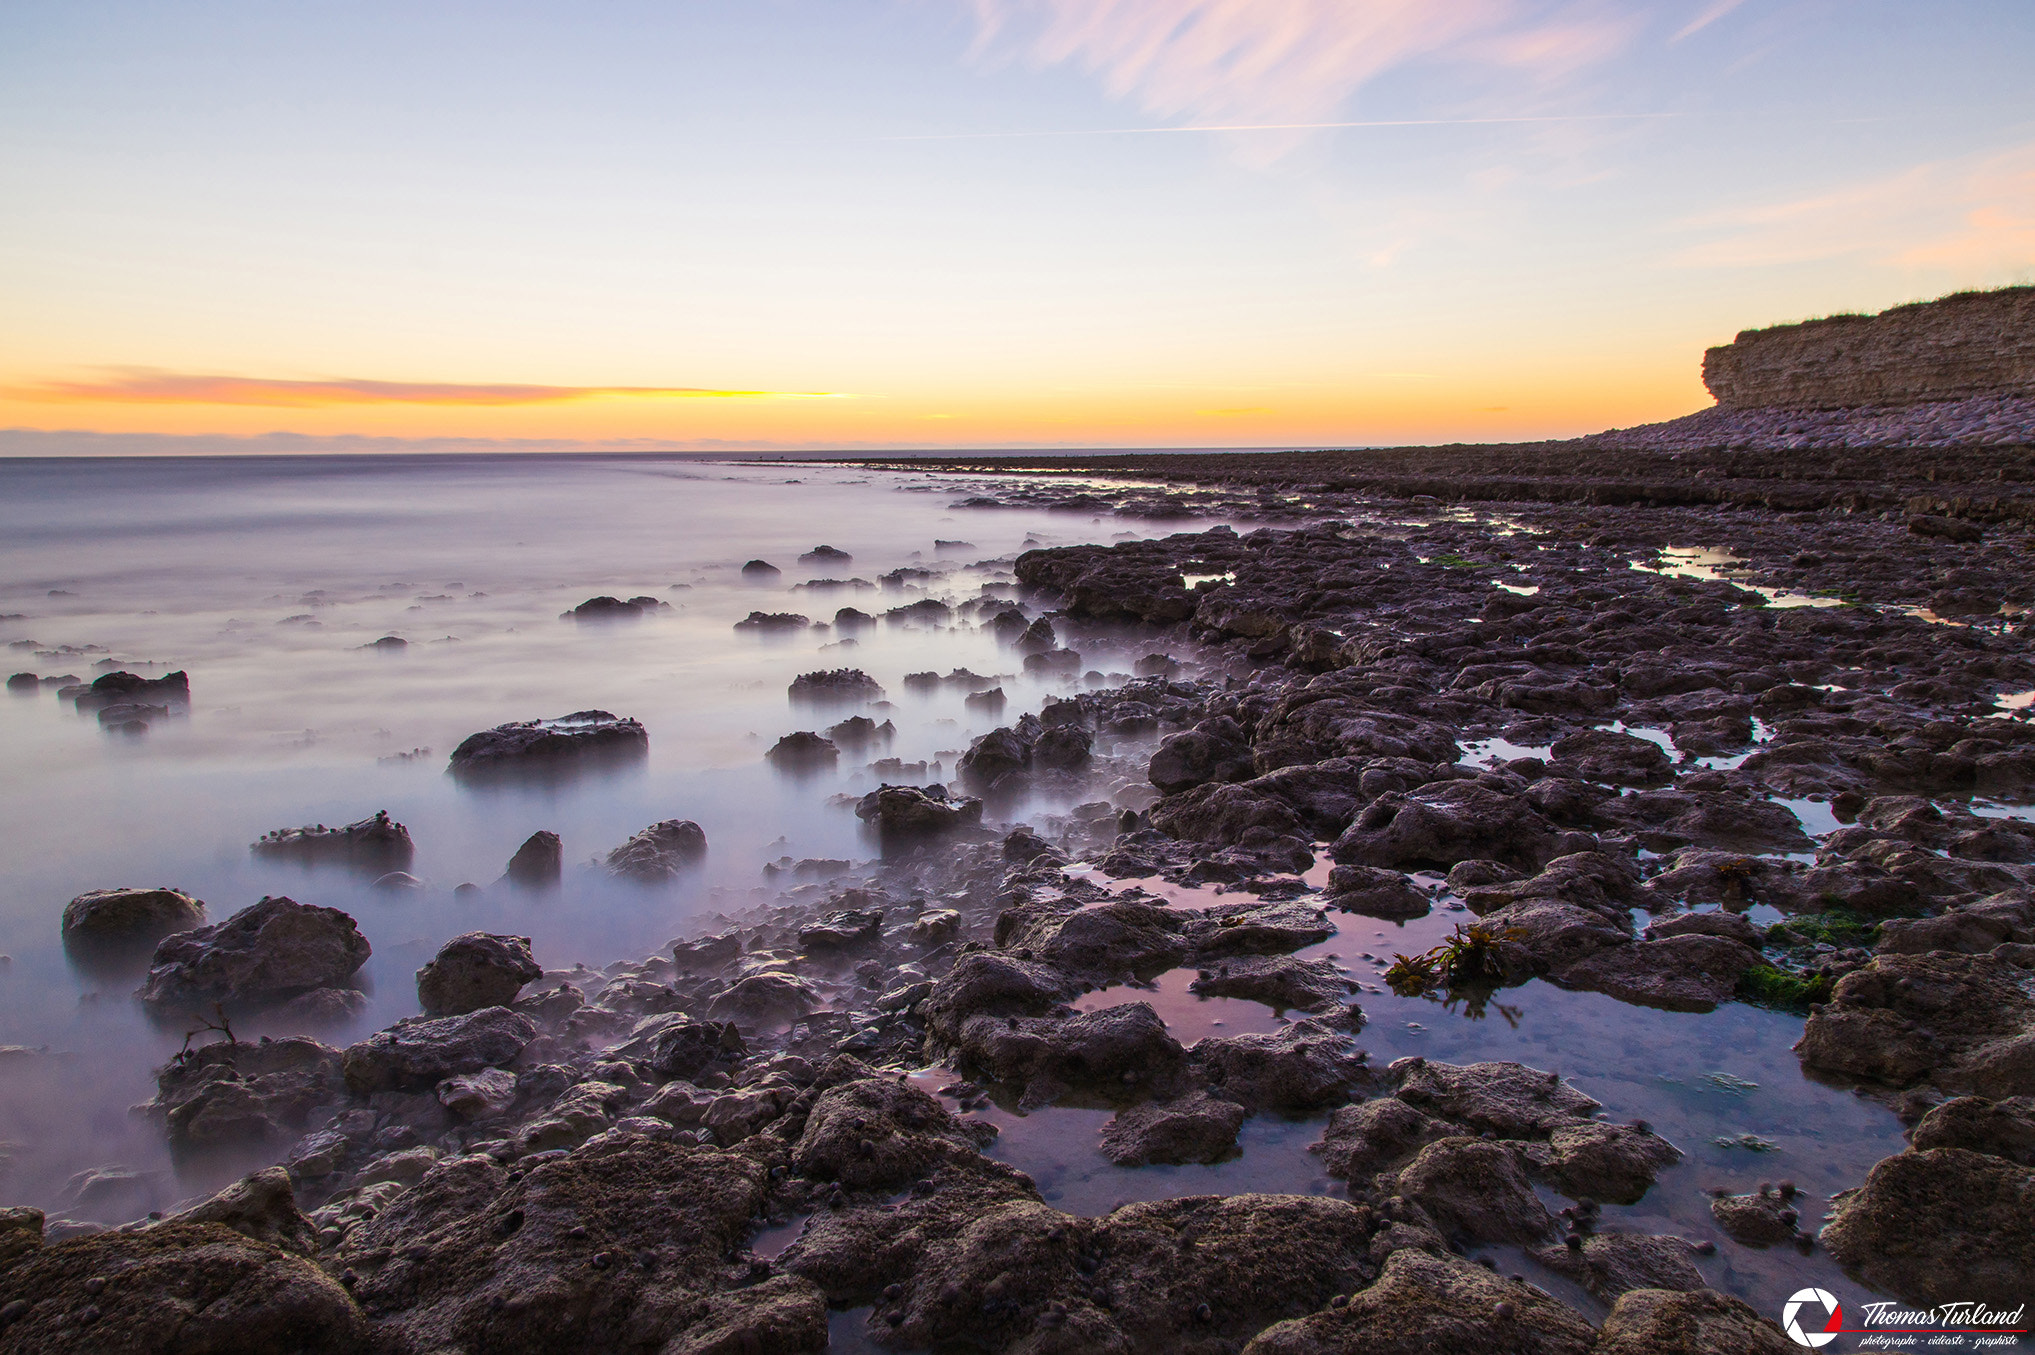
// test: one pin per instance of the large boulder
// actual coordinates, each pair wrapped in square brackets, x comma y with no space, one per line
[170,691]
[1659,1321]
[1212,751]
[416,1054]
[914,811]
[241,1092]
[170,1289]
[1508,1099]
[1964,1022]
[262,1206]
[109,925]
[1939,1225]
[1621,759]
[1111,1048]
[1443,823]
[475,970]
[620,1245]
[1610,1264]
[1475,1190]
[1423,1304]
[585,738]
[1305,1066]
[876,1133]
[660,852]
[376,844]
[1192,1128]
[262,956]
[1373,1135]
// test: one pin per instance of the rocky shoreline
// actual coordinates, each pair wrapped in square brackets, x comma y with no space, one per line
[1588,730]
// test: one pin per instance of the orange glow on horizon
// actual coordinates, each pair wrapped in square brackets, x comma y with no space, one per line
[148,386]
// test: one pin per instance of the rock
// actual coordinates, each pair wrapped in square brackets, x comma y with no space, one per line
[845,927]
[1656,1321]
[23,684]
[773,621]
[475,1096]
[1053,663]
[584,739]
[317,1009]
[108,925]
[605,608]
[989,983]
[122,688]
[1097,944]
[1438,825]
[914,811]
[859,731]
[1305,1066]
[618,1245]
[1063,748]
[679,1045]
[538,863]
[418,1053]
[706,952]
[825,555]
[176,1287]
[1210,752]
[1421,1304]
[476,970]
[1280,982]
[1621,759]
[263,955]
[231,1093]
[802,750]
[2002,1129]
[876,1133]
[1371,1136]
[660,852]
[766,999]
[262,1206]
[758,571]
[1686,973]
[1257,929]
[1758,1220]
[835,686]
[1092,1049]
[375,844]
[994,756]
[1551,934]
[1594,1160]
[1610,1264]
[1475,1190]
[1966,1022]
[934,926]
[1193,1128]
[1729,926]
[1939,1225]
[1945,529]
[1509,1099]
[1372,892]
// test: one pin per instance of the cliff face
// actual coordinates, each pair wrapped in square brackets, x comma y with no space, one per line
[1974,343]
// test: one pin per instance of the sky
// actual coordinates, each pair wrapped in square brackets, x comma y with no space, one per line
[864,224]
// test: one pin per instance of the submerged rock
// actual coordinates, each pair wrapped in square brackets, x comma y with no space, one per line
[377,843]
[1655,1320]
[660,852]
[802,751]
[475,970]
[1684,973]
[585,738]
[1193,1128]
[262,956]
[1964,1022]
[130,689]
[108,925]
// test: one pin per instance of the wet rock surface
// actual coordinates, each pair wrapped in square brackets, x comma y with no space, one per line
[1604,772]
[108,925]
[263,955]
[475,970]
[376,843]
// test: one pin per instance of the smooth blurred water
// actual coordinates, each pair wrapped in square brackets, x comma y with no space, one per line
[265,578]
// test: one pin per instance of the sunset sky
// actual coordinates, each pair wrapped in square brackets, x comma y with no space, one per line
[972,223]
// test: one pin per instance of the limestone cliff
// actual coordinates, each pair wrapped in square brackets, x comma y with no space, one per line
[1969,344]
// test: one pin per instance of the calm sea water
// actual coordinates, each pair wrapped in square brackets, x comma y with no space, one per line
[265,578]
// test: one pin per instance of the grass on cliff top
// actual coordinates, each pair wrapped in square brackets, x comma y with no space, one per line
[1919,303]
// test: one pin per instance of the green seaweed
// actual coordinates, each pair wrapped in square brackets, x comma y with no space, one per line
[1765,986]
[1834,926]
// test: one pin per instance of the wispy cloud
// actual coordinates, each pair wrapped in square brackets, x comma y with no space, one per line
[1710,14]
[1970,214]
[149,386]
[1289,62]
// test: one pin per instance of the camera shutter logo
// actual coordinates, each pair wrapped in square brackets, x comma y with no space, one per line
[1812,1318]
